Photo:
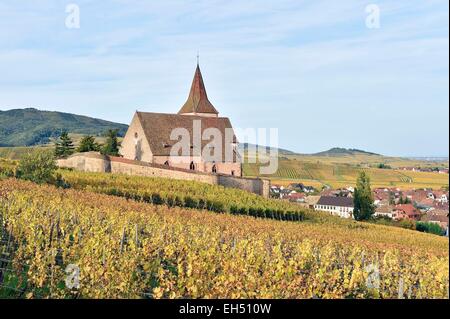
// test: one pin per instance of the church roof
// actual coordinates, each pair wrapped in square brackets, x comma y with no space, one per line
[159,126]
[197,101]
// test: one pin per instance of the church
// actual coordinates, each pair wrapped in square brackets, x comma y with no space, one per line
[195,139]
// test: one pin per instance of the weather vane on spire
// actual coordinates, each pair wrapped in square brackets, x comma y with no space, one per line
[198,57]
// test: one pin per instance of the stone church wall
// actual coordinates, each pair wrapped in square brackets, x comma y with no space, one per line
[94,162]
[87,162]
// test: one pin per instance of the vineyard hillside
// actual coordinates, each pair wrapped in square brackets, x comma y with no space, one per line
[336,172]
[128,249]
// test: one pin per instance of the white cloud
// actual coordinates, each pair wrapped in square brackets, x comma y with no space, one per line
[265,63]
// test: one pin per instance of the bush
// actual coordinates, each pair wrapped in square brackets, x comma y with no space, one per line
[427,227]
[38,167]
[407,223]
[7,168]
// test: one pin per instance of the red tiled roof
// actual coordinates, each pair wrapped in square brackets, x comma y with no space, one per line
[436,218]
[409,209]
[426,202]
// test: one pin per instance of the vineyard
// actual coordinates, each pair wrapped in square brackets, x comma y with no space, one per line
[337,174]
[65,243]
[189,194]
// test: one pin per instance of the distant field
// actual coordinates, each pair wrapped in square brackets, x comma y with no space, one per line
[367,160]
[319,171]
[16,153]
[342,171]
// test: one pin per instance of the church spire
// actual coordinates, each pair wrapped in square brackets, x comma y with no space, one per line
[197,102]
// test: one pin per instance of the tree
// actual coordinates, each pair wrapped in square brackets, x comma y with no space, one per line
[64,145]
[38,167]
[88,144]
[111,146]
[363,198]
[391,198]
[405,200]
[431,228]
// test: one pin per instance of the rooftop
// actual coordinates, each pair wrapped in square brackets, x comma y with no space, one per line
[335,201]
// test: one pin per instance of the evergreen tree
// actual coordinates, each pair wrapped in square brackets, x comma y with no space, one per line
[64,145]
[363,198]
[88,144]
[391,198]
[111,146]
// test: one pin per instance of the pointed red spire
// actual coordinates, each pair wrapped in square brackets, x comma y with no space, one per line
[197,101]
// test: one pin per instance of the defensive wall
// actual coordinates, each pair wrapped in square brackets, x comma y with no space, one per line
[95,162]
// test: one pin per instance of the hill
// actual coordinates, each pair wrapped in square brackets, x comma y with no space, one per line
[28,127]
[342,170]
[245,146]
[338,151]
[130,249]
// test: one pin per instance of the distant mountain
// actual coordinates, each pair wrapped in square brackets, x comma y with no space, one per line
[337,151]
[429,158]
[27,127]
[281,151]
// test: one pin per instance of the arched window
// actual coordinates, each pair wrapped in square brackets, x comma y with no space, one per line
[214,169]
[232,173]
[192,166]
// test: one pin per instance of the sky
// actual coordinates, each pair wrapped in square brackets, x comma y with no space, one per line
[323,72]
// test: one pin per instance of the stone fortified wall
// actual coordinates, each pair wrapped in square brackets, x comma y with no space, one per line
[95,162]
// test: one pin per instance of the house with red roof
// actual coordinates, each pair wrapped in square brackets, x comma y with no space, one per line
[403,211]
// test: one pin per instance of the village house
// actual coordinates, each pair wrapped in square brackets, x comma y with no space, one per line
[441,196]
[439,217]
[406,211]
[338,206]
[384,211]
[150,136]
[296,197]
[275,191]
[311,201]
[302,188]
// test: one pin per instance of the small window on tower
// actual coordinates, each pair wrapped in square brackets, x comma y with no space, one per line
[136,135]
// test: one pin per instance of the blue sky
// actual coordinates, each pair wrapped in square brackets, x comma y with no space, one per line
[310,68]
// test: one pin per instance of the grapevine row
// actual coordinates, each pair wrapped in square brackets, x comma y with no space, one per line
[188,194]
[127,249]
